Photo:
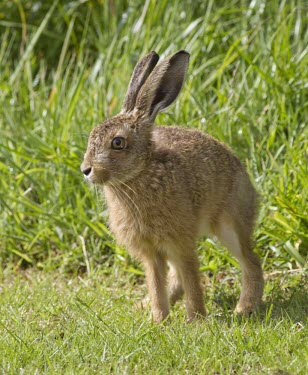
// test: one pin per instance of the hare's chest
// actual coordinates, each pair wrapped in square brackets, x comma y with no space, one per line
[125,223]
[147,222]
[127,220]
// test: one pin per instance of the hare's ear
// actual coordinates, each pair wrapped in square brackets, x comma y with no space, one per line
[141,72]
[163,85]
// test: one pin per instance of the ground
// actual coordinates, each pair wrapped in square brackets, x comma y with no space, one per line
[53,323]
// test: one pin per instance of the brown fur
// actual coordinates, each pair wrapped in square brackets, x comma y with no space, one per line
[169,186]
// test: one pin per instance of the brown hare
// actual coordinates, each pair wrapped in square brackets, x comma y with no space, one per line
[166,186]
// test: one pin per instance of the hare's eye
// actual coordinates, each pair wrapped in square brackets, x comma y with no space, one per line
[118,143]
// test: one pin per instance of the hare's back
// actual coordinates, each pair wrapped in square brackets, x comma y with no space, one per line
[203,163]
[196,146]
[211,173]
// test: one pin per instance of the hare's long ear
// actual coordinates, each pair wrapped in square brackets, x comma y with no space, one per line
[141,72]
[163,85]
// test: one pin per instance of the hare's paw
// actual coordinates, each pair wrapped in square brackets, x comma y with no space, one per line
[245,308]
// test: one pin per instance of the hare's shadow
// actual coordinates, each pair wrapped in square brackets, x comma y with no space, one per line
[278,303]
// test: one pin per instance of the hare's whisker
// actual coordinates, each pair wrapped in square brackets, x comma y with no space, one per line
[130,203]
[123,183]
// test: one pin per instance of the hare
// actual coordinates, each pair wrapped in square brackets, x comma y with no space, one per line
[166,186]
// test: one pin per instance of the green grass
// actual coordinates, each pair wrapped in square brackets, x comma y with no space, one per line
[67,289]
[57,324]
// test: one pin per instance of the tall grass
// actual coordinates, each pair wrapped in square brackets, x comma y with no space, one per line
[64,67]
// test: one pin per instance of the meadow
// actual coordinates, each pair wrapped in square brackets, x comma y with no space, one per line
[67,290]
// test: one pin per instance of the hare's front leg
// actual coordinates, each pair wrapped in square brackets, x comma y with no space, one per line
[155,271]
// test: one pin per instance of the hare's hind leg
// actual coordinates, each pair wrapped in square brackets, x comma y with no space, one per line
[238,241]
[175,289]
[156,274]
[187,267]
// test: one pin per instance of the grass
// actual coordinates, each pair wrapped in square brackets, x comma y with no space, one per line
[57,324]
[68,290]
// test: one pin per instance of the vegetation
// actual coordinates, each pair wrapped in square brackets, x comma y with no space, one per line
[68,290]
[55,324]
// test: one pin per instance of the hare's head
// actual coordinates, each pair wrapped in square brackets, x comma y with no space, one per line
[120,148]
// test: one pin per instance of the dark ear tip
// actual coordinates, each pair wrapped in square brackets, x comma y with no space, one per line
[153,55]
[151,58]
[183,52]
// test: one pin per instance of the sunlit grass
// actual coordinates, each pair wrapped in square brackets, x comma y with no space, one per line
[50,323]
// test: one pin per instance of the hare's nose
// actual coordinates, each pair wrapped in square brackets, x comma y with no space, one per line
[87,171]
